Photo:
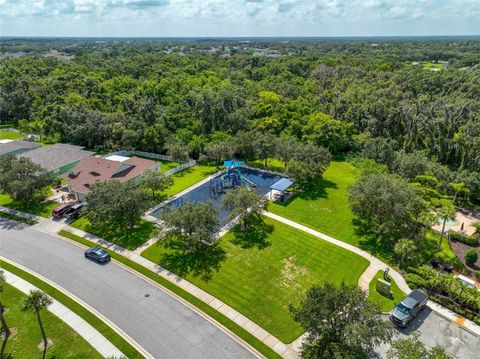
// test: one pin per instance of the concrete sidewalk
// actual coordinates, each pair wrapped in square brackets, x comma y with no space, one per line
[77,323]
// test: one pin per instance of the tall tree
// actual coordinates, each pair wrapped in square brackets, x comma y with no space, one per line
[308,164]
[193,223]
[5,329]
[21,178]
[404,249]
[266,144]
[156,181]
[243,202]
[177,150]
[115,202]
[340,322]
[388,203]
[219,151]
[37,301]
[446,213]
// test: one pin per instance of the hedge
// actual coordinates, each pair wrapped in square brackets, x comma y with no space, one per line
[463,238]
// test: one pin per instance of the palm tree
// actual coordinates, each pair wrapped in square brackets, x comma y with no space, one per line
[5,328]
[37,301]
[447,213]
[403,249]
[427,219]
[458,188]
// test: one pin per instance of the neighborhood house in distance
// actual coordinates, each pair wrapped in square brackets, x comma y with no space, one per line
[91,170]
[58,158]
[15,147]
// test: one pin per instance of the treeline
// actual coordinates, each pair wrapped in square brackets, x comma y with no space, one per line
[343,96]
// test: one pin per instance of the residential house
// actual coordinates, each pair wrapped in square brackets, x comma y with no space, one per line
[57,159]
[91,170]
[15,147]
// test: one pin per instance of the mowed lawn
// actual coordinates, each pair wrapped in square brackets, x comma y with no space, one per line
[386,303]
[166,166]
[188,177]
[26,336]
[7,135]
[325,206]
[262,271]
[129,238]
[43,209]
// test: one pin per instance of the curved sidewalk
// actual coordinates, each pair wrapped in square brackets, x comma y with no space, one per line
[77,323]
[375,263]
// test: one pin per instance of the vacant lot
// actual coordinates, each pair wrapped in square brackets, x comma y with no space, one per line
[261,271]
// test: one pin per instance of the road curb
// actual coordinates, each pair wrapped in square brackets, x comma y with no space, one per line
[92,310]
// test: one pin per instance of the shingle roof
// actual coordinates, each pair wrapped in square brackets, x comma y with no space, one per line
[92,170]
[16,145]
[56,156]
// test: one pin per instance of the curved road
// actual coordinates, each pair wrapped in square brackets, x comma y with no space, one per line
[159,323]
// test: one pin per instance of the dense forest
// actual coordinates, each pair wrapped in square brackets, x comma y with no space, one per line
[410,104]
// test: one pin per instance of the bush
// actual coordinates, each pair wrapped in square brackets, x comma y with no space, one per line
[463,238]
[471,257]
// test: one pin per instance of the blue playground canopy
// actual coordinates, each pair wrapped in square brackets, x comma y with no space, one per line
[236,163]
[282,184]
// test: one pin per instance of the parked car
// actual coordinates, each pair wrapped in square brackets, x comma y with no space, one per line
[98,255]
[59,211]
[74,211]
[408,308]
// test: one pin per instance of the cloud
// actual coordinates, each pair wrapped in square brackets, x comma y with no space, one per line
[229,16]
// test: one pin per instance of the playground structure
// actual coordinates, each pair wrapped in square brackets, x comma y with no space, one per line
[233,178]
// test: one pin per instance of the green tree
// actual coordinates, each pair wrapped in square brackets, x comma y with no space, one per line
[308,163]
[325,131]
[471,256]
[177,150]
[192,223]
[388,203]
[21,178]
[458,189]
[5,329]
[219,151]
[243,202]
[413,348]
[340,322]
[115,202]
[446,213]
[265,144]
[404,249]
[285,151]
[155,181]
[37,301]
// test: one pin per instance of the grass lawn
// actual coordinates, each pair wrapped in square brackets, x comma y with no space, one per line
[386,304]
[26,335]
[43,209]
[26,221]
[272,164]
[167,165]
[6,135]
[260,272]
[188,177]
[129,238]
[325,207]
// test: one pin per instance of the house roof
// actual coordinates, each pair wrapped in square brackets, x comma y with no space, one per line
[56,156]
[92,170]
[7,147]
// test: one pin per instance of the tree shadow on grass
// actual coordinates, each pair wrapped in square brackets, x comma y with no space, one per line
[372,242]
[255,235]
[202,261]
[312,191]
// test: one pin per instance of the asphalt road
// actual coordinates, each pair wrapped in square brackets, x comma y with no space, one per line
[436,330]
[163,326]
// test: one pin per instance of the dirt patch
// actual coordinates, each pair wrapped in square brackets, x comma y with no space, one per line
[49,344]
[460,249]
[291,273]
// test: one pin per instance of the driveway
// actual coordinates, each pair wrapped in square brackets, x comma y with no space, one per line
[163,326]
[435,330]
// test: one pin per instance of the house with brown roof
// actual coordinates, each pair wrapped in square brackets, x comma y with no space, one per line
[91,170]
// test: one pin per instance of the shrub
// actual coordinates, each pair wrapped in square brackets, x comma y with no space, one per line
[471,257]
[463,238]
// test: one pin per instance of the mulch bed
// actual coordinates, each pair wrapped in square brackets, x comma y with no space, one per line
[460,249]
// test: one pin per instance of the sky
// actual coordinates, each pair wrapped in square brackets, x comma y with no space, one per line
[229,18]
